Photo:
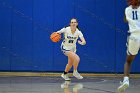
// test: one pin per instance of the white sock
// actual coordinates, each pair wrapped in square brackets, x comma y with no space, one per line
[126,78]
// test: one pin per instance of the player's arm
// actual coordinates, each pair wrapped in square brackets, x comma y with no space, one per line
[61,31]
[82,41]
[125,20]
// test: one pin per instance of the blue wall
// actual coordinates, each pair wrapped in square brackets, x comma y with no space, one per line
[26,25]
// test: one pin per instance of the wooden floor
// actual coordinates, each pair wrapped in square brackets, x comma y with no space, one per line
[58,74]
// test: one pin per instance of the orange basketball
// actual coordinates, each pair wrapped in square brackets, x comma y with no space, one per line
[55,37]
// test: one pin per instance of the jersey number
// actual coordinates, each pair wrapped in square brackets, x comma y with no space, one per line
[70,41]
[135,15]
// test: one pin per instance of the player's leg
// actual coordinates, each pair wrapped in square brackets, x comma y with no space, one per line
[69,65]
[132,50]
[76,61]
[70,56]
[73,60]
[75,66]
[127,67]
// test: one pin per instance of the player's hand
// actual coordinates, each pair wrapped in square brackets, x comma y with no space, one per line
[57,33]
[79,42]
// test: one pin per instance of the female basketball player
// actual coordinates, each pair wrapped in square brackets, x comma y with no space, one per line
[68,46]
[132,13]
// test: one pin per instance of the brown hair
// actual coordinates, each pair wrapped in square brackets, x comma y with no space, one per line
[133,2]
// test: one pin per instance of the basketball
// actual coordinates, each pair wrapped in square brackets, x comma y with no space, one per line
[55,37]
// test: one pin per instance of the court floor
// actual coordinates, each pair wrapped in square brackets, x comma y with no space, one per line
[55,84]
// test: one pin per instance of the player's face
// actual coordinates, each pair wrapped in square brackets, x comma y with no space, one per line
[73,23]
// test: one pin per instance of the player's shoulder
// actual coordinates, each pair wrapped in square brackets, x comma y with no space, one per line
[139,8]
[78,31]
[128,8]
[67,27]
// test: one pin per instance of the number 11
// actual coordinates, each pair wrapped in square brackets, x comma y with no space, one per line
[135,15]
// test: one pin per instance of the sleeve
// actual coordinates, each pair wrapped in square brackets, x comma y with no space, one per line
[127,14]
[80,34]
[62,30]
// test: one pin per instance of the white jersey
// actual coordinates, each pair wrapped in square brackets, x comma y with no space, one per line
[70,39]
[133,18]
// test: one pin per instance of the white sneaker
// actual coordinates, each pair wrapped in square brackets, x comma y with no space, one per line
[66,77]
[123,86]
[77,75]
[65,84]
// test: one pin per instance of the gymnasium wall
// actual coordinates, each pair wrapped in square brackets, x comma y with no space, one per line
[26,25]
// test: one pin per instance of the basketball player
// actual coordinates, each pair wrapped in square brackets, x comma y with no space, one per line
[132,13]
[68,46]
